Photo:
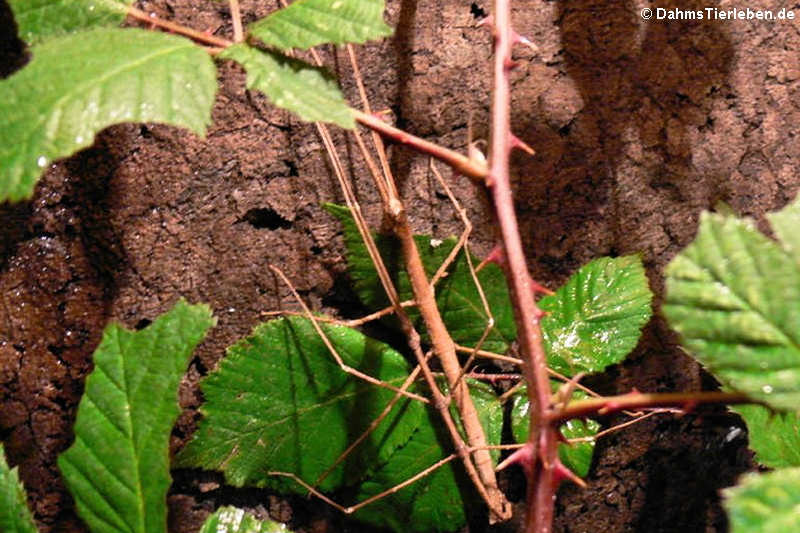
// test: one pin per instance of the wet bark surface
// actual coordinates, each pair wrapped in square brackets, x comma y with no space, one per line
[638,127]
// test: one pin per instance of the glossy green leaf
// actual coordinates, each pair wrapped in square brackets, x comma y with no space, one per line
[74,87]
[734,297]
[775,437]
[279,402]
[577,456]
[15,517]
[307,23]
[232,520]
[595,319]
[765,503]
[39,20]
[117,470]
[437,501]
[293,85]
[458,298]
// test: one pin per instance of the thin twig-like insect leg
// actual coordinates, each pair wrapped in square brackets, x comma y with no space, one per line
[510,392]
[621,425]
[463,243]
[407,383]
[332,349]
[438,464]
[349,323]
[236,18]
[488,355]
[565,391]
[372,499]
[559,376]
[462,239]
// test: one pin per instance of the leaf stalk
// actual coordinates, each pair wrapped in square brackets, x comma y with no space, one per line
[199,36]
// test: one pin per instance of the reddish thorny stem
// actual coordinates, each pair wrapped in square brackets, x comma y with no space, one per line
[539,457]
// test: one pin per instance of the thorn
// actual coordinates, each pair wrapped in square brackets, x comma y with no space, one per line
[384,112]
[496,256]
[486,21]
[561,473]
[382,115]
[541,289]
[608,408]
[475,153]
[516,142]
[689,406]
[522,457]
[520,39]
[509,64]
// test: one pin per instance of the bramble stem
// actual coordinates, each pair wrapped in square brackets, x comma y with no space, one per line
[642,400]
[464,165]
[540,461]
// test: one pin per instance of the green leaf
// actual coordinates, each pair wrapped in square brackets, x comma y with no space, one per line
[775,437]
[293,85]
[734,297]
[307,23]
[765,503]
[15,517]
[435,502]
[280,402]
[596,318]
[118,468]
[578,456]
[74,87]
[456,295]
[233,520]
[39,20]
[784,223]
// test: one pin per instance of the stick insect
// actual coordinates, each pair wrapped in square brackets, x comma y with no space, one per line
[472,451]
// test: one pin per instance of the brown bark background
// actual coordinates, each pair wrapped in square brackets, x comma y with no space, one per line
[638,126]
